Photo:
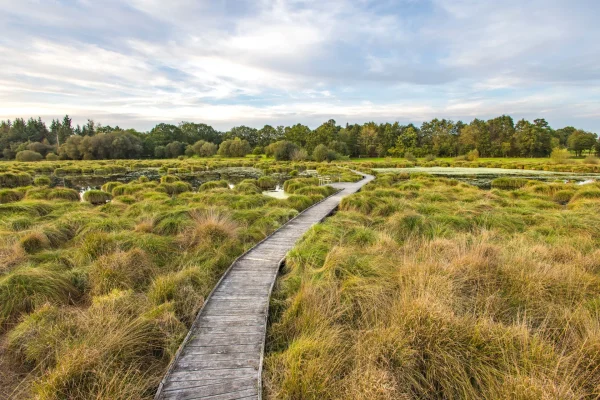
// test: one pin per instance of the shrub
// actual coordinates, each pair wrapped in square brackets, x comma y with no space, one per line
[472,155]
[52,157]
[410,157]
[42,181]
[591,160]
[28,156]
[96,197]
[429,157]
[560,156]
[320,153]
[234,148]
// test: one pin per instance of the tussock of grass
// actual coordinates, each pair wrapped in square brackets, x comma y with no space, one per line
[121,270]
[96,298]
[213,185]
[58,193]
[23,289]
[9,196]
[210,226]
[96,197]
[457,293]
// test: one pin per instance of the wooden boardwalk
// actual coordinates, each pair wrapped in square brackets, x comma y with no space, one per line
[221,357]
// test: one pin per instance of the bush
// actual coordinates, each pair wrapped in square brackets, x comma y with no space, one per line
[591,160]
[28,156]
[96,197]
[429,157]
[320,153]
[410,157]
[234,148]
[52,157]
[560,156]
[473,155]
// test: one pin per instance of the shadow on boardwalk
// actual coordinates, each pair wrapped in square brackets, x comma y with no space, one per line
[221,358]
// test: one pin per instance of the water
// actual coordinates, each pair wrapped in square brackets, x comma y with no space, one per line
[278,193]
[482,177]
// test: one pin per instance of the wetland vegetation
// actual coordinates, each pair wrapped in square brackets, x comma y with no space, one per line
[421,286]
[96,293]
[427,287]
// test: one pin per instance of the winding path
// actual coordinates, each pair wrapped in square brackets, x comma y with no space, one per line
[221,357]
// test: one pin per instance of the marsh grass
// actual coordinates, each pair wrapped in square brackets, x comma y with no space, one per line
[96,296]
[454,293]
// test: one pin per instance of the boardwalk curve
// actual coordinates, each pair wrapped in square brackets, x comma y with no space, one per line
[221,357]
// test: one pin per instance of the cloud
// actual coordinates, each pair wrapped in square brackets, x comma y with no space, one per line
[252,62]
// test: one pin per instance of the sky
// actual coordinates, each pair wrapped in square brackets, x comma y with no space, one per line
[135,63]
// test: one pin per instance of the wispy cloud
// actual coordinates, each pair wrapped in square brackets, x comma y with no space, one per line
[235,61]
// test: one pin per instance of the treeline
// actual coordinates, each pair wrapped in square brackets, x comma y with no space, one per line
[32,140]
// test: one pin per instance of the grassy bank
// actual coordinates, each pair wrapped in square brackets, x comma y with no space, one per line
[427,288]
[96,295]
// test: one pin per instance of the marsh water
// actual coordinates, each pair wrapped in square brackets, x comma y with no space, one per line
[232,175]
[482,177]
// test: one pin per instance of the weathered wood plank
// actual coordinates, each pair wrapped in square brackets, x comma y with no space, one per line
[221,357]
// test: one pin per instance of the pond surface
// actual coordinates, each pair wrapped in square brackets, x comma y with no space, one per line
[482,177]
[278,193]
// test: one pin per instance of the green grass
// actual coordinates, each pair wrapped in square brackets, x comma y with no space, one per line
[96,296]
[428,288]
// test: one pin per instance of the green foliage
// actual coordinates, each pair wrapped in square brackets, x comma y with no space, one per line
[560,156]
[28,156]
[234,148]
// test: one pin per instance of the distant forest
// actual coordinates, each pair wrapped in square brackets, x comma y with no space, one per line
[33,140]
